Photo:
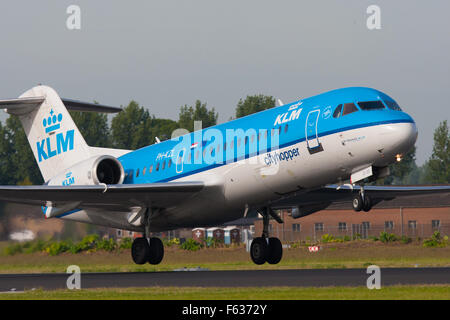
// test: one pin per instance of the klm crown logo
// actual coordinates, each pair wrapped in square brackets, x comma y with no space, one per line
[55,144]
[52,123]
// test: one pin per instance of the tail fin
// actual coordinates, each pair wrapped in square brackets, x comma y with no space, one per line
[54,138]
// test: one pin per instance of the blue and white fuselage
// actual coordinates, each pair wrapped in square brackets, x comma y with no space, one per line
[259,158]
[212,175]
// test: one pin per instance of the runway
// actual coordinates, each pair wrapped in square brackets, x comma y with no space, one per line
[237,278]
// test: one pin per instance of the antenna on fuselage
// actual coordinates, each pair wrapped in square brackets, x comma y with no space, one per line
[157,140]
[279,103]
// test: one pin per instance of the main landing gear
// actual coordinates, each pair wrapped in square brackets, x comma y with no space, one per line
[265,249]
[362,201]
[146,249]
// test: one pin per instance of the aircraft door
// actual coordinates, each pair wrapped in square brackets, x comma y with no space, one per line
[311,133]
[180,160]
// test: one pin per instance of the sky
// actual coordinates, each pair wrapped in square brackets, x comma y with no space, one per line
[165,54]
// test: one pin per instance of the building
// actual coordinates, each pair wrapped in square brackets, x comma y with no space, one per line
[414,217]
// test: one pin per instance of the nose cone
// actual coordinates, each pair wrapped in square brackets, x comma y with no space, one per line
[399,138]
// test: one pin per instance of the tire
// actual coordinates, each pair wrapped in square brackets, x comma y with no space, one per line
[275,251]
[357,203]
[156,251]
[140,250]
[367,204]
[259,250]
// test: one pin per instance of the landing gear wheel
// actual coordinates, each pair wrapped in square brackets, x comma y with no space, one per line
[156,252]
[367,203]
[275,251]
[357,203]
[259,250]
[140,250]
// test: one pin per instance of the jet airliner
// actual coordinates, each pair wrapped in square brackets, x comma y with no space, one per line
[303,156]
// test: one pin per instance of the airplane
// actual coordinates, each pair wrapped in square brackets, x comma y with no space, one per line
[302,156]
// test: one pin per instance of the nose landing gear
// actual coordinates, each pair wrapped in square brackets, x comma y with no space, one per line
[266,249]
[362,201]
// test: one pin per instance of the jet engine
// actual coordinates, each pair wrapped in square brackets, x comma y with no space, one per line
[103,169]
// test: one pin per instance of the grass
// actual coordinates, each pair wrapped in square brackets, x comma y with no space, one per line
[355,254]
[435,292]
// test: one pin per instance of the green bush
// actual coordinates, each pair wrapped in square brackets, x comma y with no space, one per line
[387,237]
[436,240]
[327,238]
[406,240]
[171,242]
[211,242]
[13,249]
[191,245]
[125,243]
[57,248]
[106,244]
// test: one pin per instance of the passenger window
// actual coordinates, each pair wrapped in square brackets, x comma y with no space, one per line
[169,163]
[150,169]
[143,171]
[164,164]
[349,108]
[337,111]
[371,105]
[157,166]
[137,173]
[286,129]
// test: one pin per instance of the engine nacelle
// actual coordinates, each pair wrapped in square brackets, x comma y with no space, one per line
[96,170]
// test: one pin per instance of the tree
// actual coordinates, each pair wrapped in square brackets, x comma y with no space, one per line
[200,113]
[131,128]
[23,162]
[163,128]
[253,104]
[7,168]
[438,166]
[93,127]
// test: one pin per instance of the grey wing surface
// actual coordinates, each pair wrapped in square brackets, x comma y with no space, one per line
[330,194]
[107,196]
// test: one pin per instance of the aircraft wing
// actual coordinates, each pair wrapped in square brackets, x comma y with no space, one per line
[327,195]
[119,195]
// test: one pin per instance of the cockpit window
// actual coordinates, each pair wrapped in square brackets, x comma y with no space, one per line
[392,105]
[349,108]
[337,111]
[371,105]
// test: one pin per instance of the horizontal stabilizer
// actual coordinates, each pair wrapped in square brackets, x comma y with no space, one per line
[75,105]
[21,106]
